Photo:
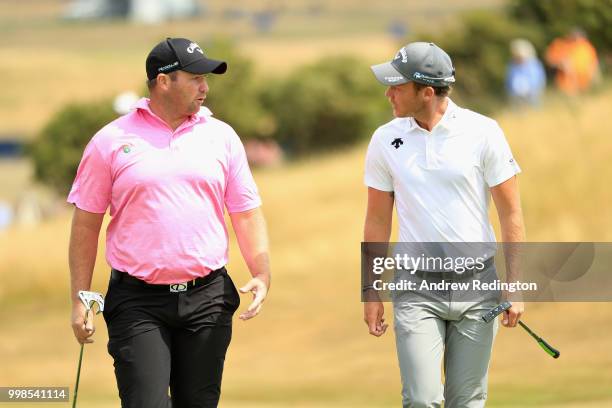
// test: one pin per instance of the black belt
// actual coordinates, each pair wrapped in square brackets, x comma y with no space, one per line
[124,277]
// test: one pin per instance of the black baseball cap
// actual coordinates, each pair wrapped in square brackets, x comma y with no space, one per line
[421,62]
[175,54]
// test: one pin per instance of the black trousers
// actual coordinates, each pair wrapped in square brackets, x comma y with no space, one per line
[162,341]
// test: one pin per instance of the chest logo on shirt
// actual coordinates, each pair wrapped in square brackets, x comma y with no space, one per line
[126,148]
[397,142]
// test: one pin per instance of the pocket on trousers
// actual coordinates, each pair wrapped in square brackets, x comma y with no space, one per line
[121,351]
[230,294]
[109,302]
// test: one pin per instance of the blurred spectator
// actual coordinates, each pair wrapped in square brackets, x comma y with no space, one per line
[28,212]
[574,60]
[398,29]
[6,215]
[264,20]
[233,13]
[124,102]
[144,11]
[525,77]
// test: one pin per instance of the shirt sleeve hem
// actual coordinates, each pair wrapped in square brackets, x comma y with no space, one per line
[503,177]
[87,208]
[378,186]
[245,207]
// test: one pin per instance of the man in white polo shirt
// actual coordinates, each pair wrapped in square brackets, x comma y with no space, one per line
[439,164]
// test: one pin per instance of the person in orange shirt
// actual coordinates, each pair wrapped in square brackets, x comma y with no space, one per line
[575,61]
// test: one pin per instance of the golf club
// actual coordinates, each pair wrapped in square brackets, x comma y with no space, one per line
[89,299]
[497,310]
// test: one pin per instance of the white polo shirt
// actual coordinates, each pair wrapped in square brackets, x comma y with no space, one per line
[441,178]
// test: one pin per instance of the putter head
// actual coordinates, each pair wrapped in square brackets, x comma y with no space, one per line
[89,299]
[496,311]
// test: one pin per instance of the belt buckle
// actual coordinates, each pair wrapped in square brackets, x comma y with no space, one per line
[178,287]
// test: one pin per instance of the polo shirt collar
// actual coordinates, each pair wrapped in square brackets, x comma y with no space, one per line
[200,117]
[445,122]
[450,114]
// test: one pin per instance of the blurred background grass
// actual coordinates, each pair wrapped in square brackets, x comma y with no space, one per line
[309,347]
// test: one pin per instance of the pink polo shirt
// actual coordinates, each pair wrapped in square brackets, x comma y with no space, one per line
[167,191]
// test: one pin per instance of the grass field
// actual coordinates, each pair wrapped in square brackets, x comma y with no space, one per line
[310,348]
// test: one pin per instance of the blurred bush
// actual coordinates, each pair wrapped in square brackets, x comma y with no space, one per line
[329,104]
[57,151]
[234,97]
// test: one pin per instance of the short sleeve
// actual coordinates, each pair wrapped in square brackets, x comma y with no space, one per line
[498,163]
[377,173]
[241,192]
[91,189]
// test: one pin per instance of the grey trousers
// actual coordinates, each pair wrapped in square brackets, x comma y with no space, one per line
[449,326]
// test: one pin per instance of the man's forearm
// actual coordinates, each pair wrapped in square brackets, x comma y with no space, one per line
[512,227]
[82,255]
[376,235]
[252,236]
[377,229]
[513,236]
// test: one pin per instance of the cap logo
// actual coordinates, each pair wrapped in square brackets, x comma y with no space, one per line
[393,78]
[428,79]
[418,75]
[167,67]
[194,47]
[403,55]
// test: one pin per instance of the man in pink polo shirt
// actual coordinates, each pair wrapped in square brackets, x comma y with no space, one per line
[168,170]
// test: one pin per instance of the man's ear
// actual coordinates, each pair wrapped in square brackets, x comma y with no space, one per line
[163,81]
[428,93]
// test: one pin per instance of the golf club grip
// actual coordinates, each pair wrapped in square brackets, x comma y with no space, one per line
[549,349]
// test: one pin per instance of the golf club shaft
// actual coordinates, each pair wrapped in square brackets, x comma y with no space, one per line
[76,386]
[547,347]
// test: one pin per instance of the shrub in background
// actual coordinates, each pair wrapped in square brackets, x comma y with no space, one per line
[57,151]
[332,103]
[234,97]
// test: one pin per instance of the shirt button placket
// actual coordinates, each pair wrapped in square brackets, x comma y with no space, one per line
[173,142]
[429,159]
